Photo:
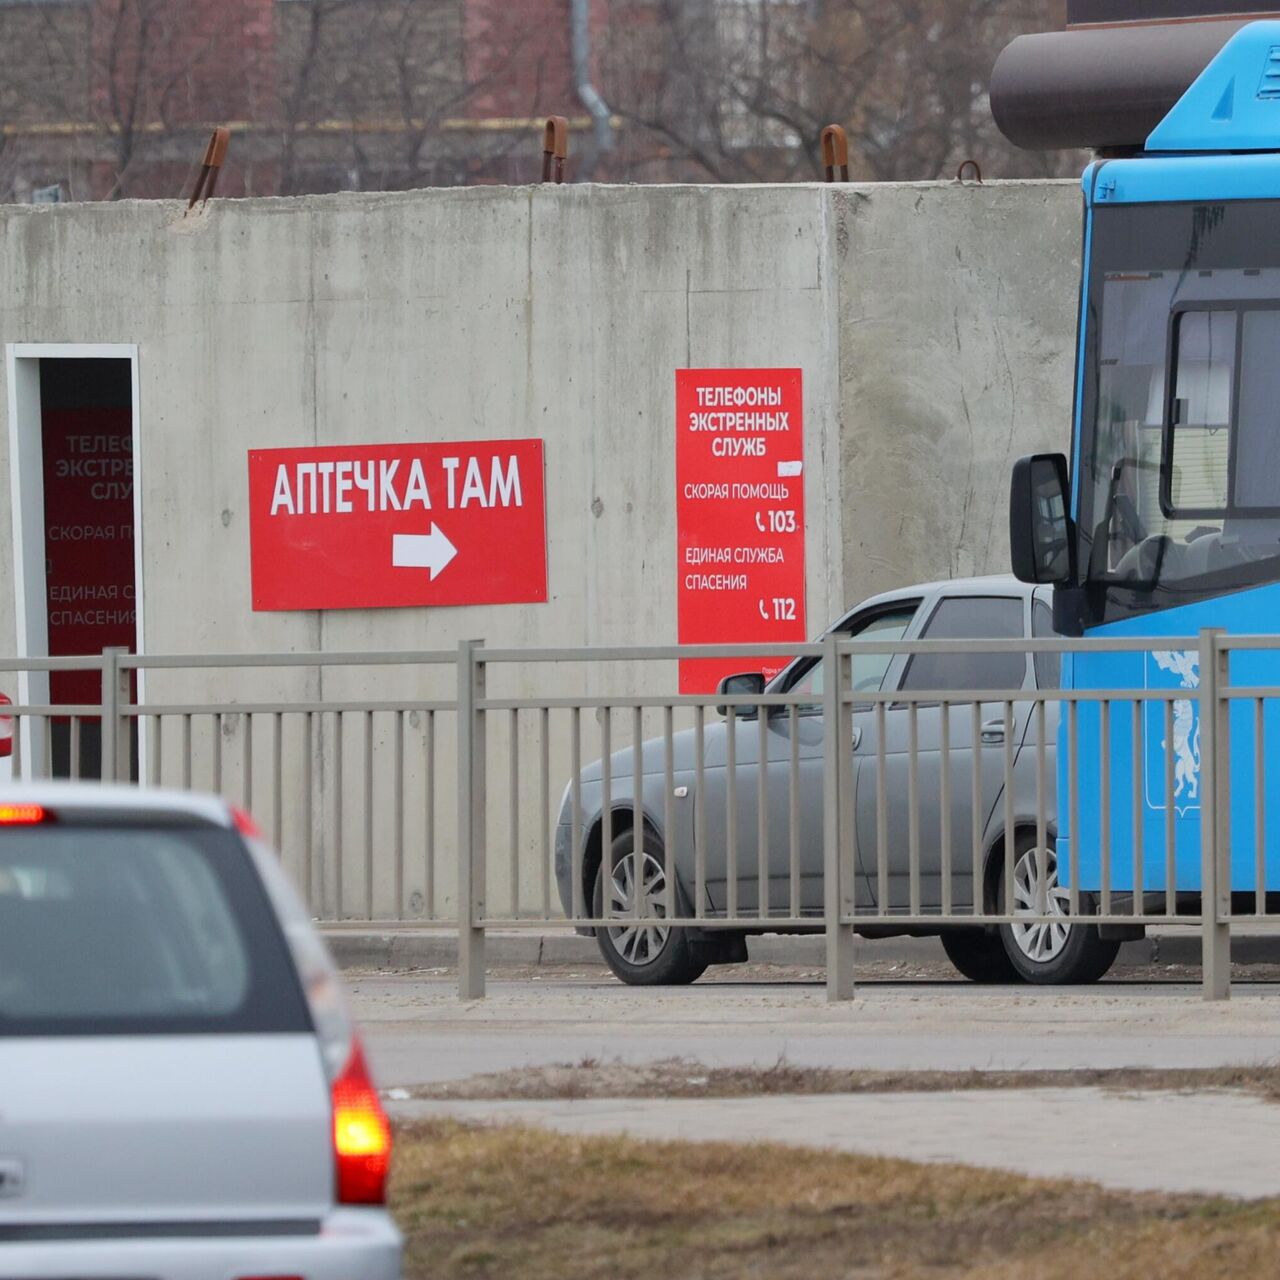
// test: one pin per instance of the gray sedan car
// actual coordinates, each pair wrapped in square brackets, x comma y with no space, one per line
[977,608]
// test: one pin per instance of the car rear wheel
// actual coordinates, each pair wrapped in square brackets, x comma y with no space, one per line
[640,949]
[979,956]
[1052,952]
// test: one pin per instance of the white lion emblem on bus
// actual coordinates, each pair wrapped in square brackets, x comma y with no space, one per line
[1185,665]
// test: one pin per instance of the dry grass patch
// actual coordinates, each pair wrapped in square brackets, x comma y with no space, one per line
[678,1078]
[480,1202]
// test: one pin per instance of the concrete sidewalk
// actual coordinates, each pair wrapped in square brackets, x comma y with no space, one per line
[418,1032]
[417,947]
[1205,1142]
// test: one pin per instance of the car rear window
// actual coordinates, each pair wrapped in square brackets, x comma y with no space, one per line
[119,930]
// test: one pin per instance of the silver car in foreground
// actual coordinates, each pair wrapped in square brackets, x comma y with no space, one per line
[182,1094]
[970,609]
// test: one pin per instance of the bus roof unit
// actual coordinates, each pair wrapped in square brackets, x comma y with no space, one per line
[1234,104]
[1112,87]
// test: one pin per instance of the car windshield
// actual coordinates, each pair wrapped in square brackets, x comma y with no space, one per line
[130,930]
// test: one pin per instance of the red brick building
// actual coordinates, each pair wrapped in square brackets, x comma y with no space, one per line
[113,98]
[104,98]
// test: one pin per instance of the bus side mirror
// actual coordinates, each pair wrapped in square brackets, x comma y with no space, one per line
[750,683]
[1039,527]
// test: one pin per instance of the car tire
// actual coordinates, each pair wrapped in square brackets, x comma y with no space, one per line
[649,956]
[979,955]
[1049,954]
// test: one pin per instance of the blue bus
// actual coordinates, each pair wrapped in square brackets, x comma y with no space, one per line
[1165,520]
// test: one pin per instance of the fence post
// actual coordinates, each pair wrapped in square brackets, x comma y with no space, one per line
[835,739]
[114,729]
[471,821]
[1215,820]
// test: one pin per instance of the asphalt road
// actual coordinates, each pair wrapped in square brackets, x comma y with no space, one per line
[418,1032]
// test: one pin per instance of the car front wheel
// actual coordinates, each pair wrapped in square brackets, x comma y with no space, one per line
[640,949]
[1051,951]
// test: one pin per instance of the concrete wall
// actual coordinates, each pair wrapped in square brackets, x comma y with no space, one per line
[957,322]
[437,315]
[934,325]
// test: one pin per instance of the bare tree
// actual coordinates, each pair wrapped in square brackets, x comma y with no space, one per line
[115,97]
[42,89]
[161,71]
[739,90]
[390,94]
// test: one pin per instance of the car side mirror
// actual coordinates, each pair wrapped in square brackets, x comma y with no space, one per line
[748,682]
[1040,542]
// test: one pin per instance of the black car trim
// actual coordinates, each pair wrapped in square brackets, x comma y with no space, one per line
[45,1232]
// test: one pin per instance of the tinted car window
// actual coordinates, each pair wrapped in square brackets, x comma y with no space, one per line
[121,930]
[1048,665]
[970,618]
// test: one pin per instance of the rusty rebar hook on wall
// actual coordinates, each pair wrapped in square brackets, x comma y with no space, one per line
[835,152]
[555,148]
[214,154]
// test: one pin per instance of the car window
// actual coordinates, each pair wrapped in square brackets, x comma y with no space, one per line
[1048,665]
[138,930]
[970,618]
[868,668]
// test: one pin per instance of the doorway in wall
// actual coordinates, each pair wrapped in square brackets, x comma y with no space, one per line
[73,426]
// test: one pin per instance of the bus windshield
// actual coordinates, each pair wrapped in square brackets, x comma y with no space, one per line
[1179,461]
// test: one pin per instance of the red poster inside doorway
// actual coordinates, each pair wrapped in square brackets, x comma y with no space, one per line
[88,519]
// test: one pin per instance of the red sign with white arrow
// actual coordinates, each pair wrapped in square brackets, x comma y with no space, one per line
[396,525]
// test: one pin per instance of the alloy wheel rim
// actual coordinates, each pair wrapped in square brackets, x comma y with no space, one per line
[1040,941]
[639,943]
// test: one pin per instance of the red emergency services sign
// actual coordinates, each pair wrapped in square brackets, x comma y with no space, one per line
[380,526]
[739,514]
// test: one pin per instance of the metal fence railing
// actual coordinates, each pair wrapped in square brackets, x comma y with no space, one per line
[484,789]
[346,761]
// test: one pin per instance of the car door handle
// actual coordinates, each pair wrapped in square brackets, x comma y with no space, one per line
[993,731]
[857,737]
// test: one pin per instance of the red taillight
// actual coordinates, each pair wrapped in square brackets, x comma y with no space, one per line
[22,815]
[6,728]
[361,1135]
[244,823]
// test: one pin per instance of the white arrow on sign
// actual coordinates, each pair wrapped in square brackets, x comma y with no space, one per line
[431,551]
